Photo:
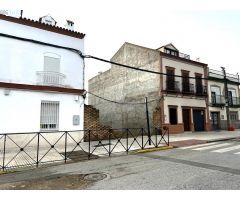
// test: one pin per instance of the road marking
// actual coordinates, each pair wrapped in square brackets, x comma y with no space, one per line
[212,146]
[198,145]
[227,149]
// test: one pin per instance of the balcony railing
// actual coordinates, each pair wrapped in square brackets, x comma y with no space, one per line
[218,100]
[183,55]
[219,74]
[50,78]
[187,88]
[234,102]
[201,90]
[173,86]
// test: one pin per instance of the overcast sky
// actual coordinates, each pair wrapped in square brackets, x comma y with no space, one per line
[209,30]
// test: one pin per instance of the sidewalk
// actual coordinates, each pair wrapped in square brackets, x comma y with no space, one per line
[192,138]
[207,136]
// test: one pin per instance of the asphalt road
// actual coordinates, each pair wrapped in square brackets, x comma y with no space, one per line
[208,166]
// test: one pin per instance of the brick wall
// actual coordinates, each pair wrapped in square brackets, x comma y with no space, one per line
[91,122]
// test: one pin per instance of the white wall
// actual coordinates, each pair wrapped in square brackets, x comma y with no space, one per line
[222,111]
[20,111]
[19,61]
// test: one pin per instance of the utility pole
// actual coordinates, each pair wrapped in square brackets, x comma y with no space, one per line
[226,96]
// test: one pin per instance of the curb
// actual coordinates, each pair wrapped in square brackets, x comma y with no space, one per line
[5,172]
[222,139]
[153,149]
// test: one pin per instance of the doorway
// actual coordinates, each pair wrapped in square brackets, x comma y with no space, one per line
[198,120]
[186,119]
[215,118]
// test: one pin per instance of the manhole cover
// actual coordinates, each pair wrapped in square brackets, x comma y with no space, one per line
[95,177]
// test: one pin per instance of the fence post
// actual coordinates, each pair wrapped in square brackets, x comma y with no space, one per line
[168,135]
[38,148]
[4,151]
[127,140]
[65,151]
[142,137]
[156,134]
[148,125]
[89,143]
[109,142]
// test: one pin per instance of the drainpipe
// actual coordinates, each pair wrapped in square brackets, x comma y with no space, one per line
[226,96]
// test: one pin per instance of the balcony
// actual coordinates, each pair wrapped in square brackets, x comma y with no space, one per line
[234,102]
[173,86]
[50,78]
[187,88]
[218,101]
[201,90]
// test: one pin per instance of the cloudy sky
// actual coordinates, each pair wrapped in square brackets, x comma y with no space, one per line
[209,30]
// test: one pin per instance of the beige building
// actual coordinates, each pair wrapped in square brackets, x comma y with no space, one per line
[181,102]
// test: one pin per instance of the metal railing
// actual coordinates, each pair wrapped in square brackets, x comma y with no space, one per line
[218,100]
[173,86]
[234,102]
[201,90]
[183,55]
[38,148]
[187,88]
[219,74]
[50,78]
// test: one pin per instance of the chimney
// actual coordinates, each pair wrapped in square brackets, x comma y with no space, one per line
[69,25]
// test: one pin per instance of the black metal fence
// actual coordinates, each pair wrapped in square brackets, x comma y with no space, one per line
[38,148]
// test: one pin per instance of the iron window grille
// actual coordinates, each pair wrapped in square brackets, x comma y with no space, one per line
[49,119]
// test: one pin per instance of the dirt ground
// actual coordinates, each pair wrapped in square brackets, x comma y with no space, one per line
[57,182]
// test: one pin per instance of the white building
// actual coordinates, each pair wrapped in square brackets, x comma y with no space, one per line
[41,86]
[217,100]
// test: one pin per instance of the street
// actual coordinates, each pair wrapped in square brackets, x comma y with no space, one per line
[205,166]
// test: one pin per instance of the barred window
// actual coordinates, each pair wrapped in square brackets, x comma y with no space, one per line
[49,115]
[233,116]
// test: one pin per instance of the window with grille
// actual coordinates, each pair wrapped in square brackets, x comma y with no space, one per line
[49,115]
[233,116]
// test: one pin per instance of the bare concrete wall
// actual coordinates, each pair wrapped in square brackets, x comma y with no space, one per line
[126,85]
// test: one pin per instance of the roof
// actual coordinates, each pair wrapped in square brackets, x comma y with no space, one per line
[43,26]
[167,45]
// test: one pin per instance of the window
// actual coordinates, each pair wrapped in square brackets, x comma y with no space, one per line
[51,64]
[233,116]
[173,115]
[170,78]
[49,119]
[199,86]
[185,81]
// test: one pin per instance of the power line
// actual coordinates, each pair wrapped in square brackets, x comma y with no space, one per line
[139,69]
[123,103]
